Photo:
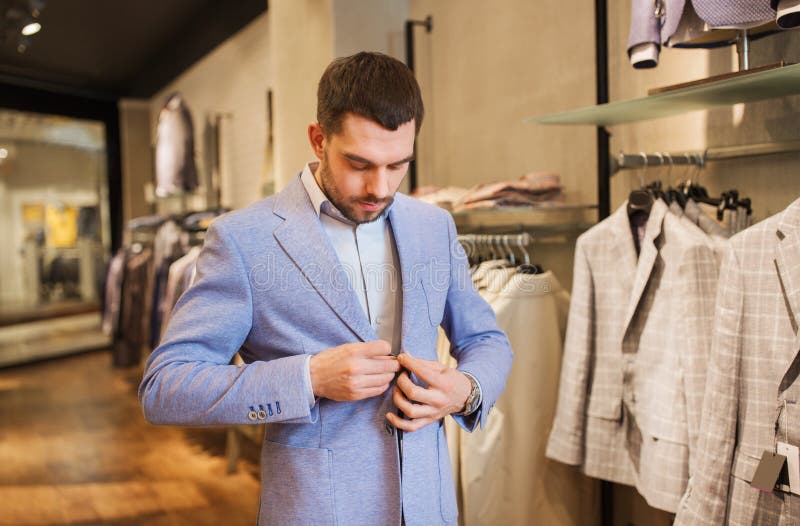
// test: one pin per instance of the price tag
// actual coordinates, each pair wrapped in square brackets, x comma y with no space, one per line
[768,471]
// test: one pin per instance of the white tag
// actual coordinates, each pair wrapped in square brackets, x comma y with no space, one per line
[792,454]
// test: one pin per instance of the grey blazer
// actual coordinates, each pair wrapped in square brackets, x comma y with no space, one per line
[635,355]
[269,283]
[750,376]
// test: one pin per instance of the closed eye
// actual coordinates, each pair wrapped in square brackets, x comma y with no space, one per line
[359,166]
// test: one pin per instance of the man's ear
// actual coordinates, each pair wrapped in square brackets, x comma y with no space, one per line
[317,139]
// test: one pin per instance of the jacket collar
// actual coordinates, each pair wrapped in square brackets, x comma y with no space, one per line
[636,272]
[302,238]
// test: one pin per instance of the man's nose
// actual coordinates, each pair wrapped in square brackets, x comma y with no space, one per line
[377,184]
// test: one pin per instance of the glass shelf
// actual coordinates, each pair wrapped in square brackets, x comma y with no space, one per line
[545,219]
[749,87]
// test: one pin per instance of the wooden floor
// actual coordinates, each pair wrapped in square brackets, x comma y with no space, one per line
[75,449]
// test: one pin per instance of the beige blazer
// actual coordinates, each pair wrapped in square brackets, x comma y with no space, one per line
[635,355]
[755,342]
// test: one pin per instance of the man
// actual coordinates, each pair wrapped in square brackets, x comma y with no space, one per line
[333,291]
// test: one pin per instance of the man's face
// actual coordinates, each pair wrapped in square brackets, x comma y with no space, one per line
[362,166]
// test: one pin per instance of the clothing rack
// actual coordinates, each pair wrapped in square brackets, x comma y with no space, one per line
[521,240]
[626,161]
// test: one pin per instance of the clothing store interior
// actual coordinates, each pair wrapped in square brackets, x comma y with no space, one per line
[621,177]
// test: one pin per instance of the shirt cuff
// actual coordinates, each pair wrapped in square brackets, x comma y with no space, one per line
[480,394]
[644,55]
[307,381]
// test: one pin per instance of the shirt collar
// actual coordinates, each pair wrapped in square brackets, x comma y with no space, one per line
[315,193]
[320,201]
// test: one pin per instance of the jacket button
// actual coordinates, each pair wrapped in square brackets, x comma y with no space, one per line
[252,415]
[262,415]
[389,429]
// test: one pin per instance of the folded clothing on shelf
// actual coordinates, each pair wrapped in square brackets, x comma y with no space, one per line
[534,189]
[443,197]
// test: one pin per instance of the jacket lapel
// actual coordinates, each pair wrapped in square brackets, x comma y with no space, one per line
[623,247]
[787,265]
[647,258]
[302,238]
[405,233]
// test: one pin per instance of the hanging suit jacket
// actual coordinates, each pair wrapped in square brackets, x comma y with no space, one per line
[635,355]
[176,170]
[750,376]
[269,285]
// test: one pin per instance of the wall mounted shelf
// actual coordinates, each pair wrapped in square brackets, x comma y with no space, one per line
[544,220]
[747,87]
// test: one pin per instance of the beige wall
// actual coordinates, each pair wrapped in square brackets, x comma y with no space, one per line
[302,46]
[484,68]
[306,36]
[374,25]
[232,80]
[137,157]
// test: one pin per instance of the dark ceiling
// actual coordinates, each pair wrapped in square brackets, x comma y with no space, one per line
[114,48]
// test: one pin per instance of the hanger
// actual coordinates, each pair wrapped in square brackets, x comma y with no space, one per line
[509,251]
[527,267]
[673,194]
[640,201]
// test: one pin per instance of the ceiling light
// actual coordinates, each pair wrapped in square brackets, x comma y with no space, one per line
[3,153]
[31,29]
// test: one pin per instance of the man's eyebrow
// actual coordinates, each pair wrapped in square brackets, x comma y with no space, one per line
[359,159]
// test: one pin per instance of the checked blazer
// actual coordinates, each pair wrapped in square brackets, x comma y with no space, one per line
[751,396]
[637,342]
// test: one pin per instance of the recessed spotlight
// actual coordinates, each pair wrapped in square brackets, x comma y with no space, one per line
[31,29]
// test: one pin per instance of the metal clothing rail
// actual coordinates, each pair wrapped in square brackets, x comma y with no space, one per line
[626,161]
[521,240]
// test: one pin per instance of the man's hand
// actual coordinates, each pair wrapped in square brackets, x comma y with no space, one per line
[446,393]
[353,371]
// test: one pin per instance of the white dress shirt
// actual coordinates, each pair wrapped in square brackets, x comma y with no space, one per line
[368,254]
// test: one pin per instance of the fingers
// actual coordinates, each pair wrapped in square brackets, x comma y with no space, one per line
[377,365]
[408,425]
[415,392]
[373,348]
[410,409]
[369,381]
[370,392]
[429,371]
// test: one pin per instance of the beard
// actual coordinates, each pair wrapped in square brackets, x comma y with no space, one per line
[348,206]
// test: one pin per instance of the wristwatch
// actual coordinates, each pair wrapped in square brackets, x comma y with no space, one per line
[474,398]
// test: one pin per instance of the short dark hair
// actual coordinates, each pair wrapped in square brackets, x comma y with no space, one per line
[372,85]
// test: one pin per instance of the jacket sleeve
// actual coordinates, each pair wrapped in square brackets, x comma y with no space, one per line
[705,501]
[188,379]
[567,438]
[645,31]
[477,343]
[699,279]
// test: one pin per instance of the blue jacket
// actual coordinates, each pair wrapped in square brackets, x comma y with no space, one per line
[269,286]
